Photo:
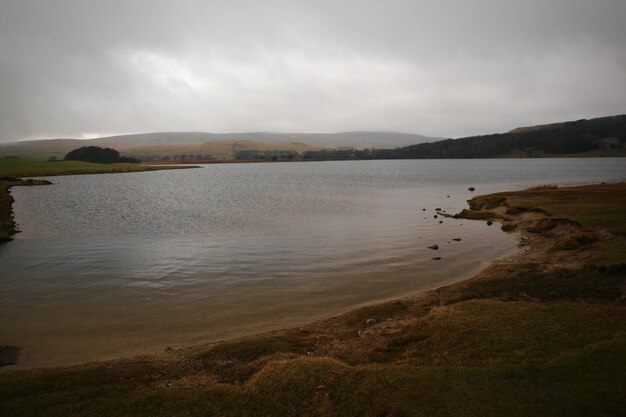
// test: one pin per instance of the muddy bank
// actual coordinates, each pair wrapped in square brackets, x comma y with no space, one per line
[8,228]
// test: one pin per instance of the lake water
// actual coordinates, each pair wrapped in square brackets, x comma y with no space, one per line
[117,264]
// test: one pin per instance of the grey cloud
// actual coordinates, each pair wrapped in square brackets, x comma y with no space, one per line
[448,68]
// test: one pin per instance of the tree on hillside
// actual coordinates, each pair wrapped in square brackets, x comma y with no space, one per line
[98,155]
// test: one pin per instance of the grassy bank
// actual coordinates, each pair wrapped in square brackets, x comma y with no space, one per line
[542,334]
[23,168]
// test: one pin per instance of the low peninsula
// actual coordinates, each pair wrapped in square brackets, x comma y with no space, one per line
[12,172]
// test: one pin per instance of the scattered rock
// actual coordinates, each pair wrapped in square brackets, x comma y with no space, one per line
[472,189]
[447,196]
[396,302]
[169,349]
[444,214]
[489,223]
[423,209]
[438,209]
[509,227]
[457,239]
[435,216]
[370,321]
[440,221]
[434,247]
[437,258]
[303,330]
[321,387]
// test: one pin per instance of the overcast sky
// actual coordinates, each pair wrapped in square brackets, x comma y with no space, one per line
[442,68]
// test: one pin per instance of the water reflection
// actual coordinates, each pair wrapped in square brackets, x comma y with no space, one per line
[109,265]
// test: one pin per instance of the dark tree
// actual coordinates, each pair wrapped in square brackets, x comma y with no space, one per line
[97,154]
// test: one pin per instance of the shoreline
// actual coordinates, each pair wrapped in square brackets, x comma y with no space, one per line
[453,275]
[571,267]
[531,246]
[8,228]
[264,330]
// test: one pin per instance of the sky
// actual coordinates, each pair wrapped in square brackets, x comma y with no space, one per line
[447,68]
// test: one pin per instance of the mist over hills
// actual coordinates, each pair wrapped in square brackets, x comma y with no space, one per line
[216,145]
[605,136]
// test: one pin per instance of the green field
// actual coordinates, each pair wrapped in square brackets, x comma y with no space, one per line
[22,168]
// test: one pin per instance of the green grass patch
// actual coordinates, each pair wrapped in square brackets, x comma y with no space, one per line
[609,253]
[601,205]
[20,168]
[478,332]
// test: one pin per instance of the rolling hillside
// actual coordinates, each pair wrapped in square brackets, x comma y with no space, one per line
[217,146]
[594,137]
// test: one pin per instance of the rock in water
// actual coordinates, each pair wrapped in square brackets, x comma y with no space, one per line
[489,223]
[457,239]
[472,189]
[437,258]
[434,247]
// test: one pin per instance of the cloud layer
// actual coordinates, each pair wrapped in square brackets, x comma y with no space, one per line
[450,68]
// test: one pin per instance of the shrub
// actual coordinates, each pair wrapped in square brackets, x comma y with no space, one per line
[97,154]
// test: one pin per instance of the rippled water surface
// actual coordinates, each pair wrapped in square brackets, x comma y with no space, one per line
[116,264]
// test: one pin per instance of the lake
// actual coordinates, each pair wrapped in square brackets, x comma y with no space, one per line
[117,264]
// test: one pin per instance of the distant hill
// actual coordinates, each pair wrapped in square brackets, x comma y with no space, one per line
[604,136]
[216,145]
